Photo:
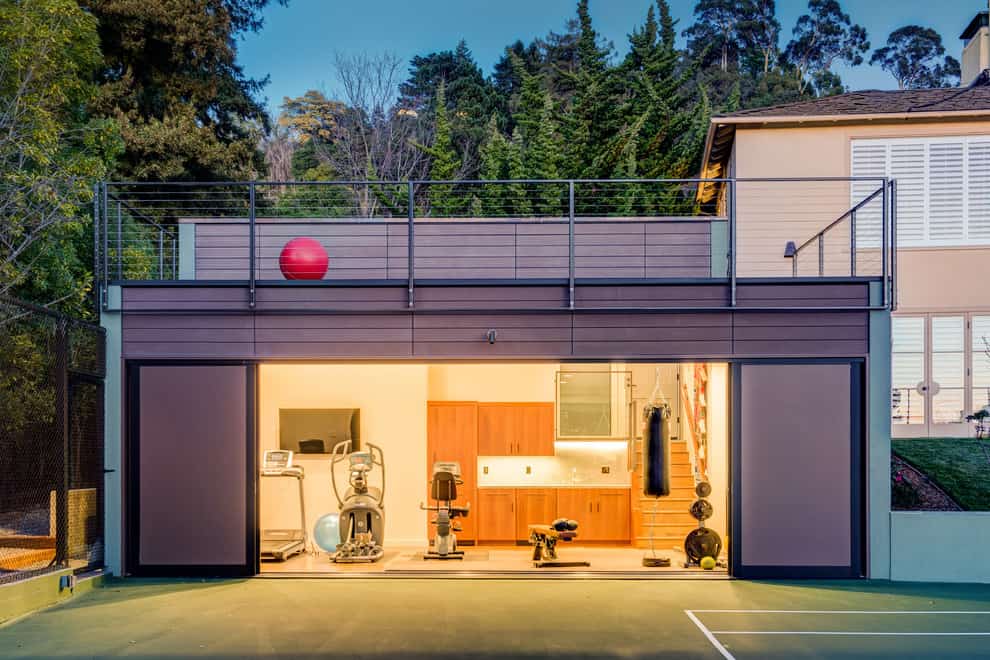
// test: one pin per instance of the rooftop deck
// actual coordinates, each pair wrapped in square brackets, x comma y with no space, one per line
[556,238]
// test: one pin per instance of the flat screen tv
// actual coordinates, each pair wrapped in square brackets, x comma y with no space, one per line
[318,430]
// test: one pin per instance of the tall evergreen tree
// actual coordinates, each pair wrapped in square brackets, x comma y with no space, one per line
[821,37]
[516,197]
[444,161]
[915,57]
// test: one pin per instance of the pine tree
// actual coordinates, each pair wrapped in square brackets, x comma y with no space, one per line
[517,200]
[444,162]
[494,154]
[542,158]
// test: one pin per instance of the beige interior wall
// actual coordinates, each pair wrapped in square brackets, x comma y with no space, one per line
[770,214]
[392,399]
[517,382]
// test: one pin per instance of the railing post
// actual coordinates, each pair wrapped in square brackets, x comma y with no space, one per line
[893,245]
[97,276]
[885,218]
[120,245]
[106,247]
[161,253]
[251,245]
[570,244]
[411,248]
[821,255]
[175,253]
[852,244]
[732,242]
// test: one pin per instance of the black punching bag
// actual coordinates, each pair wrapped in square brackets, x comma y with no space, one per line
[656,453]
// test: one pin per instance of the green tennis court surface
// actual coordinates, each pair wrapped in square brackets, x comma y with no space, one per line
[436,618]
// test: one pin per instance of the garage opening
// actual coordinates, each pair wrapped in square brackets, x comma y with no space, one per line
[493,468]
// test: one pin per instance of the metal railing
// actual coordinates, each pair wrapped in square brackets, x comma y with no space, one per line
[51,442]
[511,230]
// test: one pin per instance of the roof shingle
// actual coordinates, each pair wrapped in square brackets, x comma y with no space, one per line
[872,102]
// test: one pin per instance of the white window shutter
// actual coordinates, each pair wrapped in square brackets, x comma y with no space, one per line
[945,192]
[978,192]
[869,159]
[907,166]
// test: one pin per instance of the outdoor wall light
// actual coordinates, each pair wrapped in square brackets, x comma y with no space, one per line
[492,335]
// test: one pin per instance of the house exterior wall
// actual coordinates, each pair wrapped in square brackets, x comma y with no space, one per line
[928,278]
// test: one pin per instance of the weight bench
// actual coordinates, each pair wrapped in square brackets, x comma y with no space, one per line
[544,539]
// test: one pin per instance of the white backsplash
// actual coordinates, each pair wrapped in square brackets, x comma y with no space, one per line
[576,463]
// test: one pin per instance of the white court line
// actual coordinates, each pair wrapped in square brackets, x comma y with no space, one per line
[840,632]
[711,638]
[956,612]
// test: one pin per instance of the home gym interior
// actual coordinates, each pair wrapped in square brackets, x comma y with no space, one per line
[526,468]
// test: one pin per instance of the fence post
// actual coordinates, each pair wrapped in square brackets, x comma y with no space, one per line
[251,245]
[175,253]
[411,247]
[570,243]
[161,253]
[852,243]
[732,242]
[62,428]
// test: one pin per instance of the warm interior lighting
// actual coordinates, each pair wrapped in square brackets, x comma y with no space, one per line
[590,445]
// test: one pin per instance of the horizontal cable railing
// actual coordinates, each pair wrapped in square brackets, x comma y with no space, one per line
[515,230]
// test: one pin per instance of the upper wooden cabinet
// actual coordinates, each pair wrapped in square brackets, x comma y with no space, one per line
[515,429]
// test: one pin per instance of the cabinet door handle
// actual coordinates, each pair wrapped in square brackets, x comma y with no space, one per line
[599,507]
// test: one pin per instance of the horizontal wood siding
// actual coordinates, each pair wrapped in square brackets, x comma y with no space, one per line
[373,322]
[466,335]
[464,249]
[652,335]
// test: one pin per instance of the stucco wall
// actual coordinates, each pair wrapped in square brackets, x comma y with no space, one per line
[770,214]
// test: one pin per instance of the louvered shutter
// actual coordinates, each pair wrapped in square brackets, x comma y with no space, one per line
[945,192]
[978,191]
[869,159]
[907,165]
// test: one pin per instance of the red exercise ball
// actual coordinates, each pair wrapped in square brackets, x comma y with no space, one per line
[303,259]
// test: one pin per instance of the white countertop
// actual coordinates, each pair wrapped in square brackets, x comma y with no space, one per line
[544,485]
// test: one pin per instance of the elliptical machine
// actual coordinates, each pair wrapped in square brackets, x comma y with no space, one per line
[362,509]
[443,490]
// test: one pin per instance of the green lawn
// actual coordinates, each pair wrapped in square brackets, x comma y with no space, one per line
[958,465]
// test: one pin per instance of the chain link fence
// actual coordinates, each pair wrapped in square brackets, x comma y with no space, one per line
[51,442]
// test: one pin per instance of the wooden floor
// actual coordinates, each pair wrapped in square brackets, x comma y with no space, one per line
[498,561]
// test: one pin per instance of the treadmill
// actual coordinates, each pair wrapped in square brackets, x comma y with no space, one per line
[280,544]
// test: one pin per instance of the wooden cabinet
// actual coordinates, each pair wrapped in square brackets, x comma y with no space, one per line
[515,429]
[534,506]
[452,435]
[603,513]
[496,514]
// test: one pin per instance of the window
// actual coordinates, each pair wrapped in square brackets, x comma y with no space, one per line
[908,369]
[943,189]
[981,361]
[948,380]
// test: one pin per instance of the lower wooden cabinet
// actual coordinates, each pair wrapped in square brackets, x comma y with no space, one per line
[603,514]
[534,506]
[496,515]
[504,514]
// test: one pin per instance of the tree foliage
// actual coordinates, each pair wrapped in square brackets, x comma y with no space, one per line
[916,58]
[821,37]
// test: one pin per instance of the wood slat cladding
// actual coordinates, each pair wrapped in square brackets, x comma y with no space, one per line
[466,335]
[511,248]
[531,322]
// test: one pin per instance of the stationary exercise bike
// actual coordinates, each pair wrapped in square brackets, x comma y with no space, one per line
[362,509]
[443,490]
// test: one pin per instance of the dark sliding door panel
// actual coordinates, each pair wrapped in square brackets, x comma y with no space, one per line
[191,464]
[797,470]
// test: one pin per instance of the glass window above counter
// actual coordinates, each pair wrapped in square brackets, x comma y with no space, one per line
[593,404]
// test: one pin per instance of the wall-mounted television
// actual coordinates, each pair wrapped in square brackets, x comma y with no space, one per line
[318,430]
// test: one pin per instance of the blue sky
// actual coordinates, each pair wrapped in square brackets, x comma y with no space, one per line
[297,44]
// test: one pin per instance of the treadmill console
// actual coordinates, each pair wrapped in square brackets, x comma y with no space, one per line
[448,466]
[278,463]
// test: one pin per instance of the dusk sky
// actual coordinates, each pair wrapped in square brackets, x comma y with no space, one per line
[297,43]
